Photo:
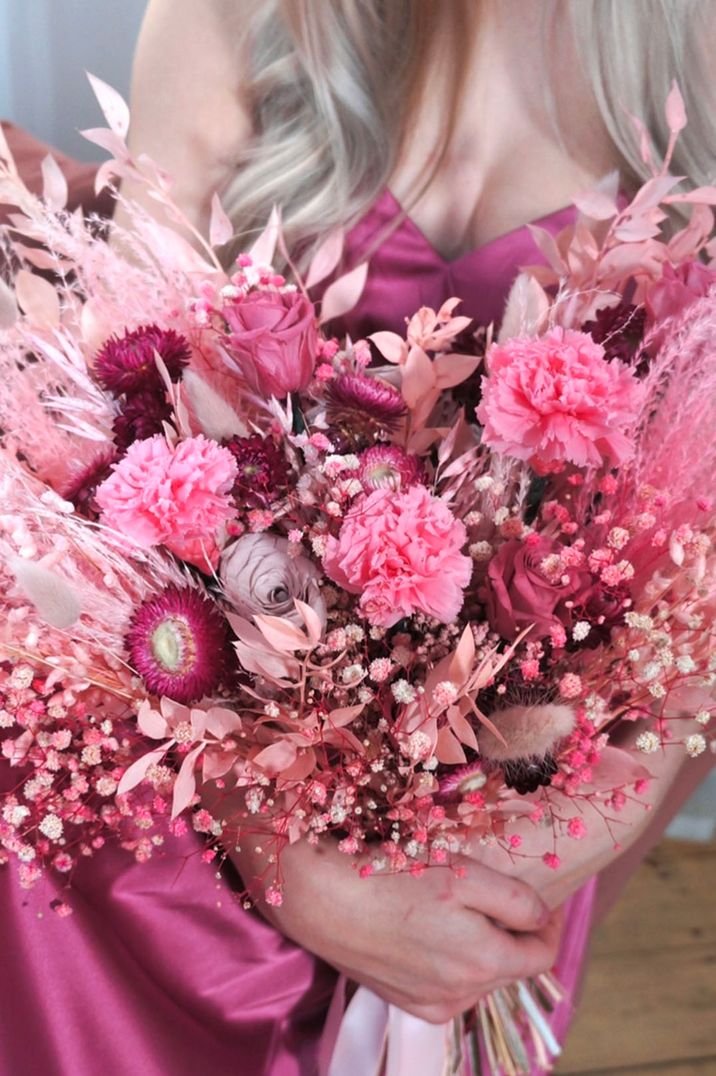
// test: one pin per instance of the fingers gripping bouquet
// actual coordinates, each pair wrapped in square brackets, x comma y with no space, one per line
[238,552]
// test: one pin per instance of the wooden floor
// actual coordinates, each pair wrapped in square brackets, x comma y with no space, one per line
[649,1004]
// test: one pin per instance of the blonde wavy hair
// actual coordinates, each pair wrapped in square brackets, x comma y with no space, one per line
[333,85]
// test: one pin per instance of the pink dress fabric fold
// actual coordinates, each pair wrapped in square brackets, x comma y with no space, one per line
[160,971]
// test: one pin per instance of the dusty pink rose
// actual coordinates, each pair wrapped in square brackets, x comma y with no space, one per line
[555,399]
[521,592]
[402,553]
[274,339]
[177,497]
[677,289]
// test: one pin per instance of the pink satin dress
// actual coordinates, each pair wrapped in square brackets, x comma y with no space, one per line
[160,971]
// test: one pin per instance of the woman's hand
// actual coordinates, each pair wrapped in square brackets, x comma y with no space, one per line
[581,859]
[431,945]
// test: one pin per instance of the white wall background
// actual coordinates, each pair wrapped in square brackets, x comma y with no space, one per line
[45,48]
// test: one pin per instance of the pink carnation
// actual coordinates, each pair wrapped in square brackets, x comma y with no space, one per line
[556,399]
[401,553]
[177,497]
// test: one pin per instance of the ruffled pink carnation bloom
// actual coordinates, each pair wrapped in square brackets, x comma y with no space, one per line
[177,497]
[555,399]
[401,553]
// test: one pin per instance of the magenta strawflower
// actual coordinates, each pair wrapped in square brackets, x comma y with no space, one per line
[262,475]
[462,780]
[619,329]
[81,491]
[363,407]
[389,467]
[141,416]
[178,642]
[125,364]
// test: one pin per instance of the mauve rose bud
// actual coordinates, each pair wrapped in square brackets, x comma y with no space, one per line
[274,340]
[258,576]
[519,594]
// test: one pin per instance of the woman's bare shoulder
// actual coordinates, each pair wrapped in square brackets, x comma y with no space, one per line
[187,103]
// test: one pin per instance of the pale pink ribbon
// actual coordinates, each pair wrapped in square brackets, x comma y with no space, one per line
[373,1032]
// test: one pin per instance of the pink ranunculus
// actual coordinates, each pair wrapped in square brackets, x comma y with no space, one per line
[274,339]
[521,593]
[675,291]
[402,553]
[555,399]
[178,496]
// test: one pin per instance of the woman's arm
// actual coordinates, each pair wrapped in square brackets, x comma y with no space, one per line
[431,944]
[186,104]
[603,844]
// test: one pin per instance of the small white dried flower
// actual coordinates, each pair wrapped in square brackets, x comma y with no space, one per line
[402,691]
[651,670]
[352,674]
[648,742]
[639,620]
[51,826]
[695,745]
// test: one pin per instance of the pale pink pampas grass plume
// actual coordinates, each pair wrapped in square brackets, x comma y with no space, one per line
[674,447]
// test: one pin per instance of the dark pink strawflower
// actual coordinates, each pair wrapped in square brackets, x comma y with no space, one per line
[262,470]
[81,491]
[461,781]
[178,642]
[619,329]
[141,416]
[363,407]
[125,364]
[389,467]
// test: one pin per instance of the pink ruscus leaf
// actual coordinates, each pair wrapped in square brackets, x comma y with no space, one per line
[112,104]
[136,773]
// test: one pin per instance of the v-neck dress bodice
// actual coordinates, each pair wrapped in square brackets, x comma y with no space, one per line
[405,271]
